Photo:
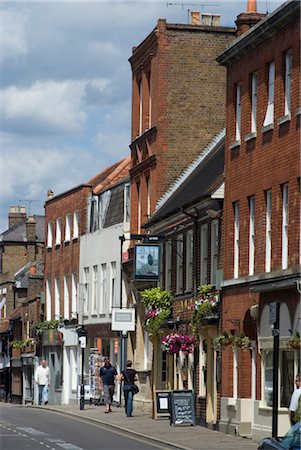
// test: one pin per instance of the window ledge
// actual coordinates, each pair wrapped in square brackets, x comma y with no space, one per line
[57,246]
[234,144]
[49,247]
[264,408]
[284,119]
[298,111]
[250,136]
[94,315]
[267,128]
[66,241]
[75,239]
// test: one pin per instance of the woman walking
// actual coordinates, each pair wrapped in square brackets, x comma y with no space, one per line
[128,376]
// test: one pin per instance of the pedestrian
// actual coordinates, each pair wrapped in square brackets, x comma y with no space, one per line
[42,378]
[107,373]
[128,376]
[295,403]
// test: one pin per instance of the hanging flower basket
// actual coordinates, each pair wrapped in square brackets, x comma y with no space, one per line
[224,339]
[205,308]
[295,341]
[174,343]
[242,342]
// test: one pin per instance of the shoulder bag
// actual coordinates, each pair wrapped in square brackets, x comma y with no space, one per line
[134,386]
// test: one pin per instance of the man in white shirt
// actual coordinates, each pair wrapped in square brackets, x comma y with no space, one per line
[42,379]
[294,399]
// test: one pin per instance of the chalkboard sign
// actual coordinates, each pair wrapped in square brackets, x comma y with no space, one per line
[162,404]
[182,408]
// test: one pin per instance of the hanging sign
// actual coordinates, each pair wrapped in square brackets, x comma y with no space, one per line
[123,319]
[147,262]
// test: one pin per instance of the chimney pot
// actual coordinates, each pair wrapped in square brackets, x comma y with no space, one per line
[50,194]
[195,17]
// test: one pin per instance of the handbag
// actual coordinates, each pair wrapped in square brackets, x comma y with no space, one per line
[133,386]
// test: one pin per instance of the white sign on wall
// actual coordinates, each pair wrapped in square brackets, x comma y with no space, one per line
[123,319]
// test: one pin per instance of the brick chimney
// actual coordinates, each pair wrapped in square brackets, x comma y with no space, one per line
[31,238]
[247,20]
[16,215]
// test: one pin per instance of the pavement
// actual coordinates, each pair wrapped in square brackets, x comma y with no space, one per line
[156,430]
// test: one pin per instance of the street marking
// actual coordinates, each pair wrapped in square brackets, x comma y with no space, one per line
[63,444]
[33,431]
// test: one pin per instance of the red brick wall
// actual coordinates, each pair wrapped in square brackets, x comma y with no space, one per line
[271,160]
[64,259]
[188,100]
[267,162]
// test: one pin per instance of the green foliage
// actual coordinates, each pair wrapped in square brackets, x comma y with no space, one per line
[205,291]
[38,328]
[154,325]
[156,298]
[224,339]
[295,340]
[21,344]
[241,341]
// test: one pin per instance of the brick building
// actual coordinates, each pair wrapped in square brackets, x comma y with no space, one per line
[21,247]
[191,221]
[66,217]
[261,219]
[178,103]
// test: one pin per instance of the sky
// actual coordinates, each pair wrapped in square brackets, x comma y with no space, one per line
[65,88]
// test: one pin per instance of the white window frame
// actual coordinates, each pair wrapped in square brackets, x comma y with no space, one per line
[235,374]
[180,247]
[149,100]
[214,250]
[288,74]
[103,288]
[48,300]
[73,296]
[148,196]
[204,254]
[66,297]
[238,113]
[127,202]
[269,116]
[95,289]
[254,103]
[236,239]
[113,284]
[86,289]
[168,254]
[49,235]
[68,228]
[189,260]
[285,226]
[268,230]
[139,208]
[75,225]
[58,236]
[251,235]
[57,311]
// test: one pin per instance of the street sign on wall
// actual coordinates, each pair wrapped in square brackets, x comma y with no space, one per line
[123,319]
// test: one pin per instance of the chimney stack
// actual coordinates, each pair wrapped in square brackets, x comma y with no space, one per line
[31,238]
[16,215]
[247,20]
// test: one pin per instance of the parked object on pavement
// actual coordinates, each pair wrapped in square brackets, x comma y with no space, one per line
[291,441]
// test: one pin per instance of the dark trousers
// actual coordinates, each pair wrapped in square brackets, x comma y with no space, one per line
[128,400]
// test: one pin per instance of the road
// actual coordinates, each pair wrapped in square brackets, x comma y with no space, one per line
[37,429]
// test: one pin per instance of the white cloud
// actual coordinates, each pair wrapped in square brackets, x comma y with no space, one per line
[49,107]
[13,33]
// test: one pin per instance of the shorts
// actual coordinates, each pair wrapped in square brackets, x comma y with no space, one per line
[108,392]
